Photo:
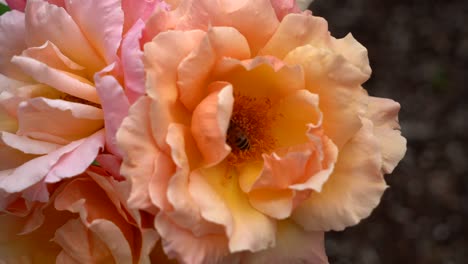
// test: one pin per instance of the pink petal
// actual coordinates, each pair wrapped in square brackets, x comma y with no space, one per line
[47,22]
[182,245]
[384,115]
[135,10]
[71,121]
[115,106]
[35,170]
[27,145]
[132,62]
[76,161]
[60,80]
[293,245]
[142,155]
[101,23]
[12,39]
[210,122]
[352,191]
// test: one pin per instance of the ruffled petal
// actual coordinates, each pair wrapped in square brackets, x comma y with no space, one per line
[210,122]
[384,115]
[237,14]
[16,4]
[223,202]
[306,30]
[352,191]
[135,10]
[184,154]
[101,23]
[338,85]
[141,156]
[48,22]
[195,70]
[354,52]
[182,245]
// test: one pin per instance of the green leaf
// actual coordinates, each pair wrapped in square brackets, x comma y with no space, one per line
[3,9]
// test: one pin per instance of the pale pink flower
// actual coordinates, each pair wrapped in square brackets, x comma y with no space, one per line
[255,135]
[61,79]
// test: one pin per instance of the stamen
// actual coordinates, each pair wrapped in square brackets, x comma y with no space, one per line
[252,118]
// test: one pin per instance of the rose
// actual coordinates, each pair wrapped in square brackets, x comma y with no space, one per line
[56,96]
[255,135]
[104,231]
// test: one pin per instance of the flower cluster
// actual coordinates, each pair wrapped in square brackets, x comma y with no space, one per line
[196,130]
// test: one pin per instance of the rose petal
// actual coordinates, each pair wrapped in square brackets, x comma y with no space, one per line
[132,62]
[184,154]
[115,106]
[76,161]
[71,121]
[306,30]
[354,52]
[27,145]
[184,246]
[135,10]
[195,70]
[337,83]
[141,155]
[247,228]
[210,122]
[12,39]
[101,23]
[47,22]
[352,191]
[384,115]
[16,4]
[237,14]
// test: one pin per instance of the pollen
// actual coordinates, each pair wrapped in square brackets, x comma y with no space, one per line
[253,119]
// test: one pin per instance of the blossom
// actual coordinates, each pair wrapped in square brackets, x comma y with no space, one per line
[255,135]
[61,101]
[87,221]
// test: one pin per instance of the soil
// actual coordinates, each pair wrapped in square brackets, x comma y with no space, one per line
[418,51]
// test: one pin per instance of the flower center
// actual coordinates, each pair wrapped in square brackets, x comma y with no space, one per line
[249,133]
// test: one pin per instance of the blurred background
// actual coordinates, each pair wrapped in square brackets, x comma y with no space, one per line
[418,51]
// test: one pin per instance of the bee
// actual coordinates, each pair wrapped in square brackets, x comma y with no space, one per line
[237,137]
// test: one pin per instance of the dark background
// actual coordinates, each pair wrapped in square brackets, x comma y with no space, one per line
[418,52]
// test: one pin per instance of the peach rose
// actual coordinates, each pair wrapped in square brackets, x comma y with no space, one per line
[86,221]
[255,135]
